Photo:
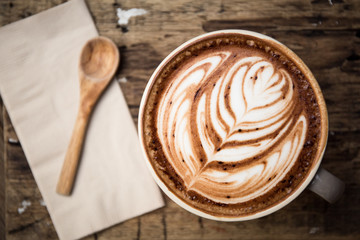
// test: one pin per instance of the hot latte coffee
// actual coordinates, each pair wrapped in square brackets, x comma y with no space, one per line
[231,124]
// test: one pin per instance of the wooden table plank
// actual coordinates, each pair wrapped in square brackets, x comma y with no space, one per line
[2,174]
[325,36]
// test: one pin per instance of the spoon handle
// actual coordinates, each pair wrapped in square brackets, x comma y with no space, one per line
[70,165]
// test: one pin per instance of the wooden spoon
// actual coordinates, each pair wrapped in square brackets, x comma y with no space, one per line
[98,62]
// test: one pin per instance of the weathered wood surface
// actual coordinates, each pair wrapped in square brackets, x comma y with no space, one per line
[325,34]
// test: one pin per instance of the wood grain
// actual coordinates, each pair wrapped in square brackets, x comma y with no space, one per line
[325,36]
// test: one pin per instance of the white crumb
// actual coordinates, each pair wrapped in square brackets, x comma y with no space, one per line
[122,80]
[314,230]
[125,15]
[13,140]
[42,203]
[24,204]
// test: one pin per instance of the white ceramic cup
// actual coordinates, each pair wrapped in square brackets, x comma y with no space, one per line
[318,180]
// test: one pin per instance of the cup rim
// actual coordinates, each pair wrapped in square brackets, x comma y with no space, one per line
[323,138]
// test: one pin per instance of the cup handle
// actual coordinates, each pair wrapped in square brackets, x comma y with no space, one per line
[327,186]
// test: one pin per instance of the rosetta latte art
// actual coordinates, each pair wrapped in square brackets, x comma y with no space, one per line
[230,127]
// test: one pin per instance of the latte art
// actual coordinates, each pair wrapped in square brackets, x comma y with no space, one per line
[230,127]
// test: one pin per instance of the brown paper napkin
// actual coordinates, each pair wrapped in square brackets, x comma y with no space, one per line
[40,88]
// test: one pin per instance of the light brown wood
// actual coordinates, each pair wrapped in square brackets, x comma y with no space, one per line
[325,36]
[98,63]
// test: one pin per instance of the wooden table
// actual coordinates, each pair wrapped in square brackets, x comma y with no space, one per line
[325,34]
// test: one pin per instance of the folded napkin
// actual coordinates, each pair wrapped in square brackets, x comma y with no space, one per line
[40,89]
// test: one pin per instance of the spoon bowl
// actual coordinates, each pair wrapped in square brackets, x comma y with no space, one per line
[99,60]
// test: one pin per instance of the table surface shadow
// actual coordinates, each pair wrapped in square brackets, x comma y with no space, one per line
[325,34]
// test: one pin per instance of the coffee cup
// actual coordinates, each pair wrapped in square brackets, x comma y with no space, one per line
[233,126]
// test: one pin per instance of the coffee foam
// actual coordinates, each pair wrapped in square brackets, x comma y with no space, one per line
[230,126]
[226,107]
